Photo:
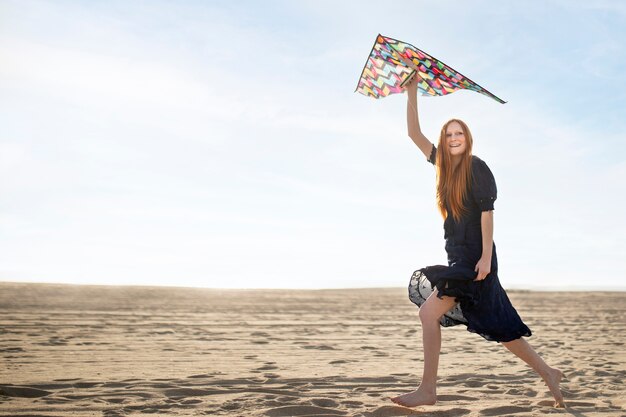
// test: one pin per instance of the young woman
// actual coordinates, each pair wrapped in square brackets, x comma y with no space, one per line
[467,291]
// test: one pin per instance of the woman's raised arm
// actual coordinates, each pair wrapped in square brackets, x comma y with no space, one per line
[412,119]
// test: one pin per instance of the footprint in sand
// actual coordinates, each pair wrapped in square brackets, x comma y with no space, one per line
[474,383]
[12,350]
[324,402]
[55,341]
[86,384]
[267,368]
[114,385]
[189,392]
[200,376]
[550,403]
[303,410]
[602,373]
[455,398]
[504,410]
[191,401]
[352,403]
[392,411]
[453,412]
[580,404]
[231,406]
[527,392]
[319,347]
[115,400]
[57,400]
[23,392]
[288,398]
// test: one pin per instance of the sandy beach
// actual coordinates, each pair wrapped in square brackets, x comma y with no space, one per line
[70,350]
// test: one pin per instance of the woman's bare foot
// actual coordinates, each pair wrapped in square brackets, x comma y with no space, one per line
[420,396]
[553,379]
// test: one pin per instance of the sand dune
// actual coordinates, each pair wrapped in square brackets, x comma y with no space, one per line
[122,351]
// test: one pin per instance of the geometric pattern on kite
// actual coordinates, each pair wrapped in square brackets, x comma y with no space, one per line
[391,62]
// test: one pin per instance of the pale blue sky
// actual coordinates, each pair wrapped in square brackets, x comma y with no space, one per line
[220,144]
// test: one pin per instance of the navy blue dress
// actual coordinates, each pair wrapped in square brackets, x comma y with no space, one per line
[482,306]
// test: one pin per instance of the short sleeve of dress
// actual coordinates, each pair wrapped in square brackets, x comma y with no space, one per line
[433,156]
[484,191]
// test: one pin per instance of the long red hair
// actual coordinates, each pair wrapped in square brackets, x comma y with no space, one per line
[453,183]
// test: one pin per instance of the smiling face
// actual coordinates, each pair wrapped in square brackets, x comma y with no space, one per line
[455,139]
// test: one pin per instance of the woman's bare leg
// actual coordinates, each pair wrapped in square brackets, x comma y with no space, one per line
[551,376]
[430,313]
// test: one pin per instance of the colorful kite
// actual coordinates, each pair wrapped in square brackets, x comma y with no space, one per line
[392,62]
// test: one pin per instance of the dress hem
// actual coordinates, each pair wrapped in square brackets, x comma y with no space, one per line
[421,286]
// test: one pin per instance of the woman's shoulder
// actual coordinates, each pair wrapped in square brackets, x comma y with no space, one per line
[481,173]
[479,166]
[476,161]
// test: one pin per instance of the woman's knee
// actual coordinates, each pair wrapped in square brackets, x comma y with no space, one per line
[434,308]
[428,315]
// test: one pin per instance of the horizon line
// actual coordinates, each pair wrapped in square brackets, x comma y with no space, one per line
[535,288]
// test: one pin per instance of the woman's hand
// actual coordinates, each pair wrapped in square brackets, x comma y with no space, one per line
[483,267]
[411,86]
